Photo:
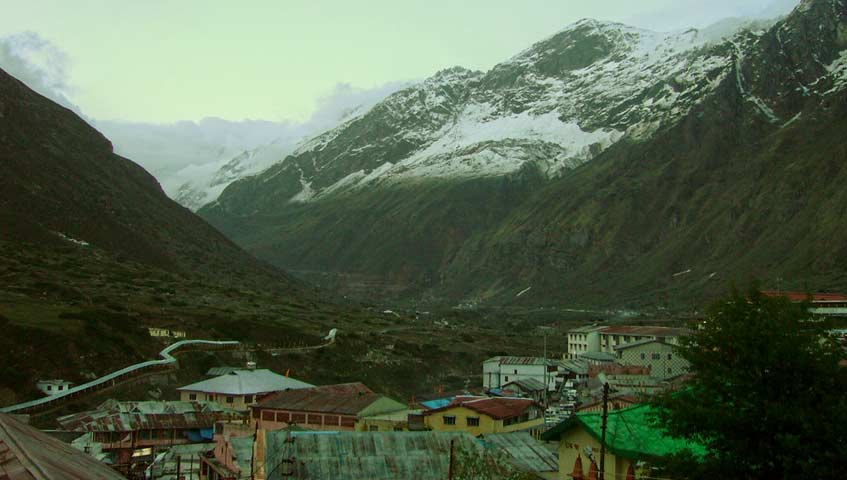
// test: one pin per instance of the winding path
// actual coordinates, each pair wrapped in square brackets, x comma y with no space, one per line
[105,380]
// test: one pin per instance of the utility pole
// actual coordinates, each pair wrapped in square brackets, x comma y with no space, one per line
[605,415]
[450,468]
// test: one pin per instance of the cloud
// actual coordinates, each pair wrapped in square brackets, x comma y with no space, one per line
[41,65]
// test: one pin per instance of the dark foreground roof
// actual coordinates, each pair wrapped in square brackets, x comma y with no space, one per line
[498,408]
[27,454]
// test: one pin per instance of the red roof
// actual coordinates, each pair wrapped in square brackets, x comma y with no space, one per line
[802,296]
[498,408]
[345,399]
[645,331]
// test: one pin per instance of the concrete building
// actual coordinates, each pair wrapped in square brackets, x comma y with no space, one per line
[631,438]
[330,407]
[828,304]
[239,389]
[52,387]
[527,388]
[594,339]
[662,359]
[484,415]
[498,371]
[582,340]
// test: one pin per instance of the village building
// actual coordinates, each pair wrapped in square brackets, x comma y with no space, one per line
[485,415]
[594,339]
[616,401]
[527,388]
[582,340]
[631,438]
[239,389]
[52,387]
[661,357]
[498,371]
[127,432]
[343,407]
[28,454]
[829,304]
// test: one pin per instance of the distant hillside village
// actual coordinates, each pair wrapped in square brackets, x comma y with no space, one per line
[531,417]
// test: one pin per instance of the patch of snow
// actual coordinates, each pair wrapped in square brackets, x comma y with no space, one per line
[81,243]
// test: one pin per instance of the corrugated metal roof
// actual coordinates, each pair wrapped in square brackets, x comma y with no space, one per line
[801,296]
[525,452]
[348,399]
[495,407]
[527,384]
[508,360]
[364,455]
[247,382]
[27,454]
[130,416]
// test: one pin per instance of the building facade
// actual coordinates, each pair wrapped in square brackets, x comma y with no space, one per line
[662,358]
[239,389]
[582,340]
[498,371]
[483,415]
[52,387]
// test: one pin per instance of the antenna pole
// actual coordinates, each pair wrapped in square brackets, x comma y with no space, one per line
[605,415]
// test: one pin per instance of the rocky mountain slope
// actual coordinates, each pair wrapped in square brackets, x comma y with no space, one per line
[63,184]
[475,186]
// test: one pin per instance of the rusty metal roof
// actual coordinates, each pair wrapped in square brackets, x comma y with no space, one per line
[115,416]
[645,331]
[347,399]
[27,454]
[495,407]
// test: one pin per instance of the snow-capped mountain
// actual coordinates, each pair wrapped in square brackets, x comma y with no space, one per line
[408,190]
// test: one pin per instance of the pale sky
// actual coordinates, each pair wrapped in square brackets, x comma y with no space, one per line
[163,61]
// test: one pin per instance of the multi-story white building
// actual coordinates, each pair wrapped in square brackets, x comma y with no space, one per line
[582,340]
[53,387]
[498,371]
[596,339]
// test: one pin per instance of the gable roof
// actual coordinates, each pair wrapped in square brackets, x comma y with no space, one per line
[246,382]
[645,341]
[527,384]
[630,433]
[345,399]
[28,454]
[498,408]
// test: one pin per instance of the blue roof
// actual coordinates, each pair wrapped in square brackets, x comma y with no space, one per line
[437,403]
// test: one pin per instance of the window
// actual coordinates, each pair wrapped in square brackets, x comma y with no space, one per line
[373,428]
[670,356]
[670,370]
[210,398]
[473,421]
[50,387]
[268,416]
[643,356]
[193,396]
[398,429]
[248,399]
[61,387]
[657,356]
[507,379]
[230,399]
[516,371]
[449,419]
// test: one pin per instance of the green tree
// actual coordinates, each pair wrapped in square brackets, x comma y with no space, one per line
[768,398]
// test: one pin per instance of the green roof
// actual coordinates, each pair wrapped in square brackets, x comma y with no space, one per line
[630,433]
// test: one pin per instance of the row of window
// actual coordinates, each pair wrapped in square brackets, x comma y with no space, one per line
[304,418]
[656,356]
[469,421]
[248,399]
